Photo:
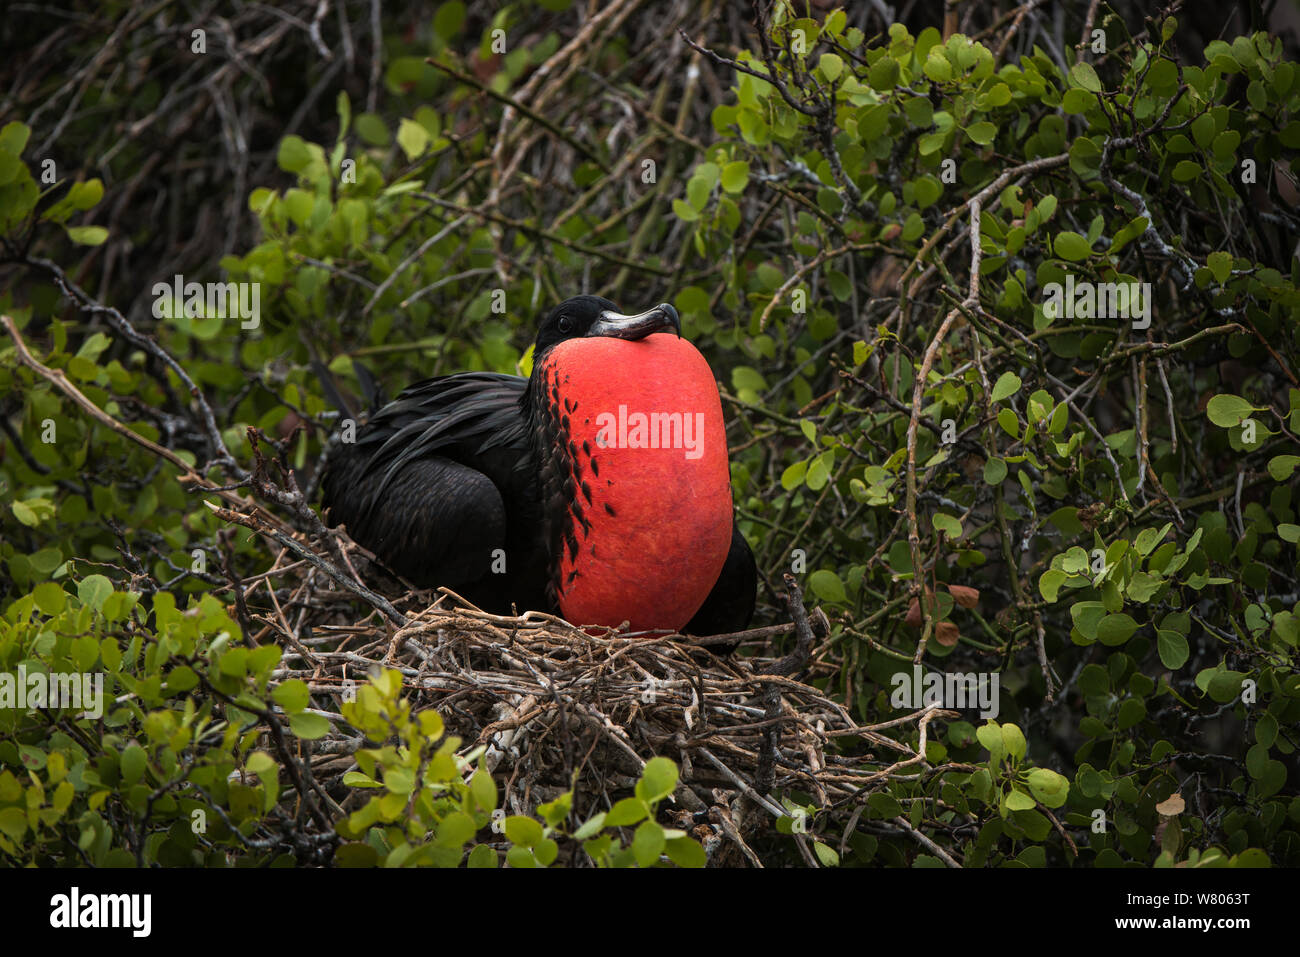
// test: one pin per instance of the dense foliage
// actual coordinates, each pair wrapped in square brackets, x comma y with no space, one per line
[860,225]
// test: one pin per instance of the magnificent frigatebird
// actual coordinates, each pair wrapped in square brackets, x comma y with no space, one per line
[598,487]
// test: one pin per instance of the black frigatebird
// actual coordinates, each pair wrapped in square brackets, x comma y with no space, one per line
[598,487]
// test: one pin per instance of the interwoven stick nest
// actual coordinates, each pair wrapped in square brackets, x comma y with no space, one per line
[560,707]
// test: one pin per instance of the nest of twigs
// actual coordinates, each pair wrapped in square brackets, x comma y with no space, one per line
[559,707]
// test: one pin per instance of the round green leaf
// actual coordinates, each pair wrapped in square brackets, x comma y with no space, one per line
[1050,788]
[827,586]
[1083,74]
[1116,628]
[1070,245]
[93,590]
[1173,649]
[523,831]
[1228,411]
[995,470]
[309,726]
[658,780]
[292,695]
[735,176]
[831,66]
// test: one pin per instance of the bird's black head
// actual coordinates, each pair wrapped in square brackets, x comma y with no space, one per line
[584,316]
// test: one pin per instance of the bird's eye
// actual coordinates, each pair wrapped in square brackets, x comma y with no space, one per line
[566,325]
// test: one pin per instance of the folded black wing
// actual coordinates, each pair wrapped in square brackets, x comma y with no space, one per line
[437,478]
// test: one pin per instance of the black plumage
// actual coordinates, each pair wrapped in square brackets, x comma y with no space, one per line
[471,481]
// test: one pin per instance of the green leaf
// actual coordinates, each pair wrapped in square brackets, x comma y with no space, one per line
[554,813]
[937,67]
[685,852]
[1077,101]
[1173,649]
[1070,245]
[520,858]
[883,74]
[1228,411]
[50,598]
[46,560]
[1143,586]
[1220,684]
[590,827]
[449,19]
[647,843]
[990,735]
[1286,627]
[523,831]
[13,138]
[735,176]
[87,235]
[181,679]
[1050,788]
[93,590]
[1049,584]
[412,138]
[819,474]
[827,586]
[825,854]
[309,726]
[1017,800]
[1085,76]
[1220,263]
[1009,423]
[1280,467]
[292,695]
[1203,129]
[484,790]
[625,812]
[995,470]
[13,822]
[482,856]
[831,66]
[546,851]
[794,475]
[747,378]
[1116,628]
[369,127]
[132,763]
[658,780]
[947,524]
[1008,384]
[294,156]
[1013,741]
[456,829]
[25,514]
[85,195]
[1086,616]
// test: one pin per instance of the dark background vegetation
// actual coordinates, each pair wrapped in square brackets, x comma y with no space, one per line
[820,259]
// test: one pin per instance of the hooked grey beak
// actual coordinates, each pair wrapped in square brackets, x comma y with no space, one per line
[662,318]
